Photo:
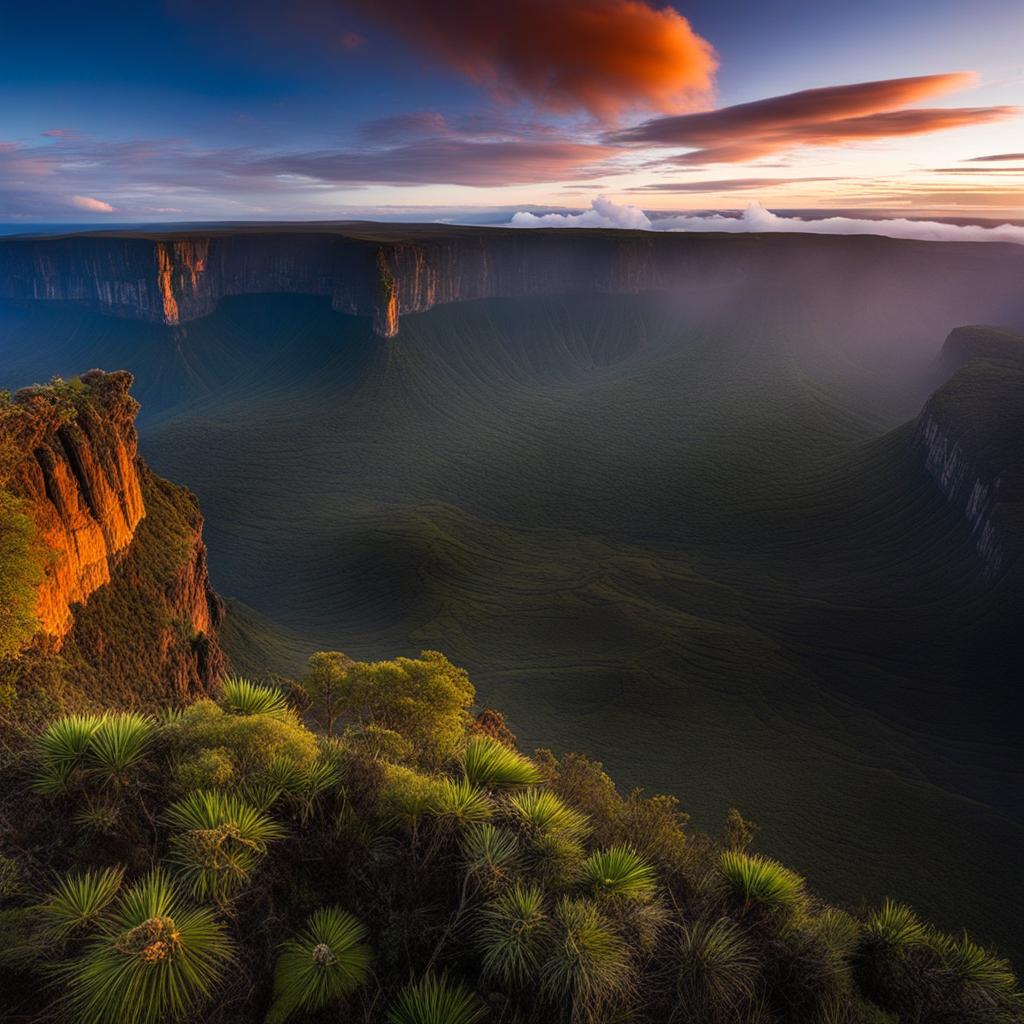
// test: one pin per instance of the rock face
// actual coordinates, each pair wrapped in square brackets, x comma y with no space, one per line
[385,272]
[114,576]
[80,477]
[971,438]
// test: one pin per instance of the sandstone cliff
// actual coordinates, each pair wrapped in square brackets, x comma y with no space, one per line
[971,438]
[386,272]
[124,583]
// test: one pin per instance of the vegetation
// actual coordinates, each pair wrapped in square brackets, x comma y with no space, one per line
[224,863]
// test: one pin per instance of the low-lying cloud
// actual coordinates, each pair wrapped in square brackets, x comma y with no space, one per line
[605,213]
[599,56]
[812,117]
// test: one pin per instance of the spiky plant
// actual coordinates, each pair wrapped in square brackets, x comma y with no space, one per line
[220,840]
[435,1000]
[322,965]
[489,853]
[514,930]
[486,762]
[241,697]
[79,899]
[894,928]
[585,962]
[154,959]
[622,872]
[61,749]
[118,744]
[283,774]
[976,970]
[462,803]
[716,972]
[542,813]
[759,884]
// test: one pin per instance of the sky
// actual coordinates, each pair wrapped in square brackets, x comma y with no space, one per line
[200,110]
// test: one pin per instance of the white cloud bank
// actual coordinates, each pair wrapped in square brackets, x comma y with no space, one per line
[604,213]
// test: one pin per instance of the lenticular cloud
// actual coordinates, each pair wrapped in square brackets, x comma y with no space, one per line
[604,213]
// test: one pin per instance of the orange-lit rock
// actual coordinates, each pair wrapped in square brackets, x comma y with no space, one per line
[79,474]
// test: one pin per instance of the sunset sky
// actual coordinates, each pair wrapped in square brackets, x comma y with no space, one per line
[116,112]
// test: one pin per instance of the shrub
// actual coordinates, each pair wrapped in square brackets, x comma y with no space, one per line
[252,742]
[241,697]
[92,747]
[79,899]
[585,962]
[220,841]
[155,959]
[715,972]
[325,963]
[762,885]
[542,813]
[489,853]
[462,803]
[433,1000]
[513,932]
[486,762]
[620,872]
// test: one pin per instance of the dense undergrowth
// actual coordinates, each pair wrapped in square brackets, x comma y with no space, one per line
[230,861]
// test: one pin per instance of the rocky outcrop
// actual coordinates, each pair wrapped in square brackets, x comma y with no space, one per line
[969,435]
[80,478]
[125,593]
[386,272]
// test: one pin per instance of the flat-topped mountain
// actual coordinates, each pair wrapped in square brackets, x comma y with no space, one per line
[387,271]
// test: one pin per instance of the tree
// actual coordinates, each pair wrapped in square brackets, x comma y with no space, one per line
[425,699]
[325,683]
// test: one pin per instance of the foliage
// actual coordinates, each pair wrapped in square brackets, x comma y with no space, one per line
[715,971]
[83,748]
[219,842]
[155,958]
[21,571]
[433,1000]
[586,962]
[486,762]
[79,899]
[537,890]
[514,931]
[249,742]
[461,802]
[424,699]
[620,871]
[325,681]
[241,697]
[760,884]
[322,965]
[541,813]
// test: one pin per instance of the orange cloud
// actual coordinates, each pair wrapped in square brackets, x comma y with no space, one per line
[813,117]
[601,56]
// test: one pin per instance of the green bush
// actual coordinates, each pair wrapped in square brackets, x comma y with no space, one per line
[155,959]
[322,965]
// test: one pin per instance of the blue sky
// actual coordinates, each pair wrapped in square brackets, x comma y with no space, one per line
[222,111]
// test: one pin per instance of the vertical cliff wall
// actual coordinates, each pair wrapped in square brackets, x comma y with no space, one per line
[125,596]
[970,436]
[386,272]
[81,482]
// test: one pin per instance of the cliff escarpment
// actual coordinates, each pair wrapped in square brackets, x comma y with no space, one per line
[971,437]
[120,564]
[385,273]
